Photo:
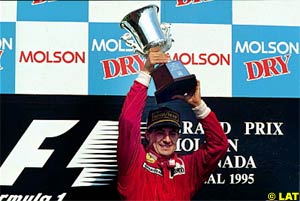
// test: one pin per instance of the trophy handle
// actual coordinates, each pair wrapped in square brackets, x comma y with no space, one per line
[127,37]
[165,27]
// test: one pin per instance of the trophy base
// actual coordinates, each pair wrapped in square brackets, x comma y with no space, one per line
[179,86]
[170,79]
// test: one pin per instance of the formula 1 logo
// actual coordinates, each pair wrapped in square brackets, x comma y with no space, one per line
[97,155]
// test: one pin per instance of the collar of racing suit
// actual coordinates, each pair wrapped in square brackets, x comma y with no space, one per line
[160,160]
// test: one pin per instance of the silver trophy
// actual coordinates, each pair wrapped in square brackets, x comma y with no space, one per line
[145,32]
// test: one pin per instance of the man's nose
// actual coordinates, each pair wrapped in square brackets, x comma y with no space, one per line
[167,138]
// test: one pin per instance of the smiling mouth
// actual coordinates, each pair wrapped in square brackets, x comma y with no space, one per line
[166,146]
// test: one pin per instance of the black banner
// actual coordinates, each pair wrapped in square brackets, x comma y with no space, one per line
[63,147]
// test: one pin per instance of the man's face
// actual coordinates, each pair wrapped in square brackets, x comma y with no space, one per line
[163,139]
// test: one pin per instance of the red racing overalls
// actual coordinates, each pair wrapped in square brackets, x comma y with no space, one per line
[144,175]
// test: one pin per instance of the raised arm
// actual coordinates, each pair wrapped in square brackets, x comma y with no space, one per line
[205,160]
[129,140]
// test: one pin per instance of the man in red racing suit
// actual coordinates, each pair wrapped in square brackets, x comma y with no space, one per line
[156,172]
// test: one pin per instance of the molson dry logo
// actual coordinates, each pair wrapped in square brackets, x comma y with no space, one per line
[121,66]
[188,2]
[5,43]
[270,66]
[211,59]
[35,2]
[1,52]
[41,56]
[117,67]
